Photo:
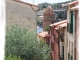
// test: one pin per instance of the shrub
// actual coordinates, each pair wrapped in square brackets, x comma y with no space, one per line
[48,28]
[12,58]
[22,42]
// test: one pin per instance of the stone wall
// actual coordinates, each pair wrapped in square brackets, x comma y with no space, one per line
[20,14]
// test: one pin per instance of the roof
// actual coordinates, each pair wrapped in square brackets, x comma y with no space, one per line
[59,24]
[71,3]
[43,34]
[56,25]
[25,3]
[74,8]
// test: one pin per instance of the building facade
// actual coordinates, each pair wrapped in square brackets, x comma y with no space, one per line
[64,41]
[57,31]
[72,29]
[21,13]
[64,35]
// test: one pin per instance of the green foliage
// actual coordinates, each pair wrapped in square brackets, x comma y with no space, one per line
[43,5]
[48,28]
[60,15]
[22,42]
[12,58]
[54,5]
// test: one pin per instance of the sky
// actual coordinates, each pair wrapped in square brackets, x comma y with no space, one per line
[42,1]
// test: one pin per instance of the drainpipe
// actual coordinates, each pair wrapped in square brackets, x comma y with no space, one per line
[74,39]
[77,36]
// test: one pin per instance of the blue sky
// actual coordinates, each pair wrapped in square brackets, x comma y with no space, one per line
[42,1]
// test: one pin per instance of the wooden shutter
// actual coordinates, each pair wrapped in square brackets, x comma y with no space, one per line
[71,24]
[62,52]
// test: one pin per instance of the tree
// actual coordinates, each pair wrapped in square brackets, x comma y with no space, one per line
[44,6]
[21,42]
[54,5]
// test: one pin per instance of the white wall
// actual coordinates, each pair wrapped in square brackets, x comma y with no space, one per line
[2,29]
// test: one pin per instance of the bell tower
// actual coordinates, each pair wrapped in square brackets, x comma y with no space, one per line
[49,17]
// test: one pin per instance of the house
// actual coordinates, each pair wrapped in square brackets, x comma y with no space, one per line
[22,14]
[64,40]
[54,36]
[57,40]
[72,29]
[64,35]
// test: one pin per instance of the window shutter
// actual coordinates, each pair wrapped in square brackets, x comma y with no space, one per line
[62,52]
[70,57]
[71,24]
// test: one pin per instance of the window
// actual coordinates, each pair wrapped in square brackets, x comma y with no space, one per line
[72,51]
[70,57]
[62,52]
[70,24]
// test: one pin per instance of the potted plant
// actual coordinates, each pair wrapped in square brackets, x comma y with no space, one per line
[47,28]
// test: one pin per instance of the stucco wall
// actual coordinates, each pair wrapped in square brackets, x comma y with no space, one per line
[21,14]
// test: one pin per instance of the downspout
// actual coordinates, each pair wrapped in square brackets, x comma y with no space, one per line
[77,36]
[74,39]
